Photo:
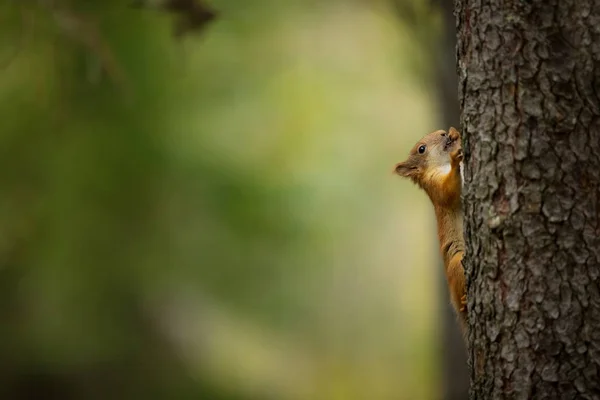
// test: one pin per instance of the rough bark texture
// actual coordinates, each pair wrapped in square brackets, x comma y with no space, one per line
[529,83]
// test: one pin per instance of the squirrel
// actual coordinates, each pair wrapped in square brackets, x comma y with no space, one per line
[435,165]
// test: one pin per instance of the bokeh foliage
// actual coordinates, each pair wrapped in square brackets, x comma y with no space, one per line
[213,217]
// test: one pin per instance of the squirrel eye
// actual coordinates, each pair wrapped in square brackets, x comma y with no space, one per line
[422,149]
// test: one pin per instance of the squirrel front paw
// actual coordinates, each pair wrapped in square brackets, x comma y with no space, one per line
[457,155]
[463,303]
[453,133]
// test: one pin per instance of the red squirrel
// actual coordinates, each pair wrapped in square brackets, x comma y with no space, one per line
[434,164]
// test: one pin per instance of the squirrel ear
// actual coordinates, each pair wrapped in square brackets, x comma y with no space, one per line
[453,130]
[404,169]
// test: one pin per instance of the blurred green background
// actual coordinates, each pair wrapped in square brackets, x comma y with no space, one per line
[215,217]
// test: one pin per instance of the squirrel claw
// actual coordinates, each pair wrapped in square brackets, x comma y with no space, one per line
[463,303]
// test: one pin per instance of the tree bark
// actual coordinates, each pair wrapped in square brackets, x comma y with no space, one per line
[528,83]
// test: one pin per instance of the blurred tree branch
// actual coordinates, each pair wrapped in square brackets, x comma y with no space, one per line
[84,30]
[192,15]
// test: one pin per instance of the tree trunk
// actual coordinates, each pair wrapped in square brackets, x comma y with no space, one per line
[528,82]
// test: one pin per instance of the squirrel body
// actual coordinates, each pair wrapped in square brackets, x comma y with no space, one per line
[435,163]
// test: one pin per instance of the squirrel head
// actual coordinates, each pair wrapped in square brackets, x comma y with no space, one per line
[430,157]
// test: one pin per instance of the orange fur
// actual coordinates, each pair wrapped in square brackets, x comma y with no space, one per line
[437,171]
